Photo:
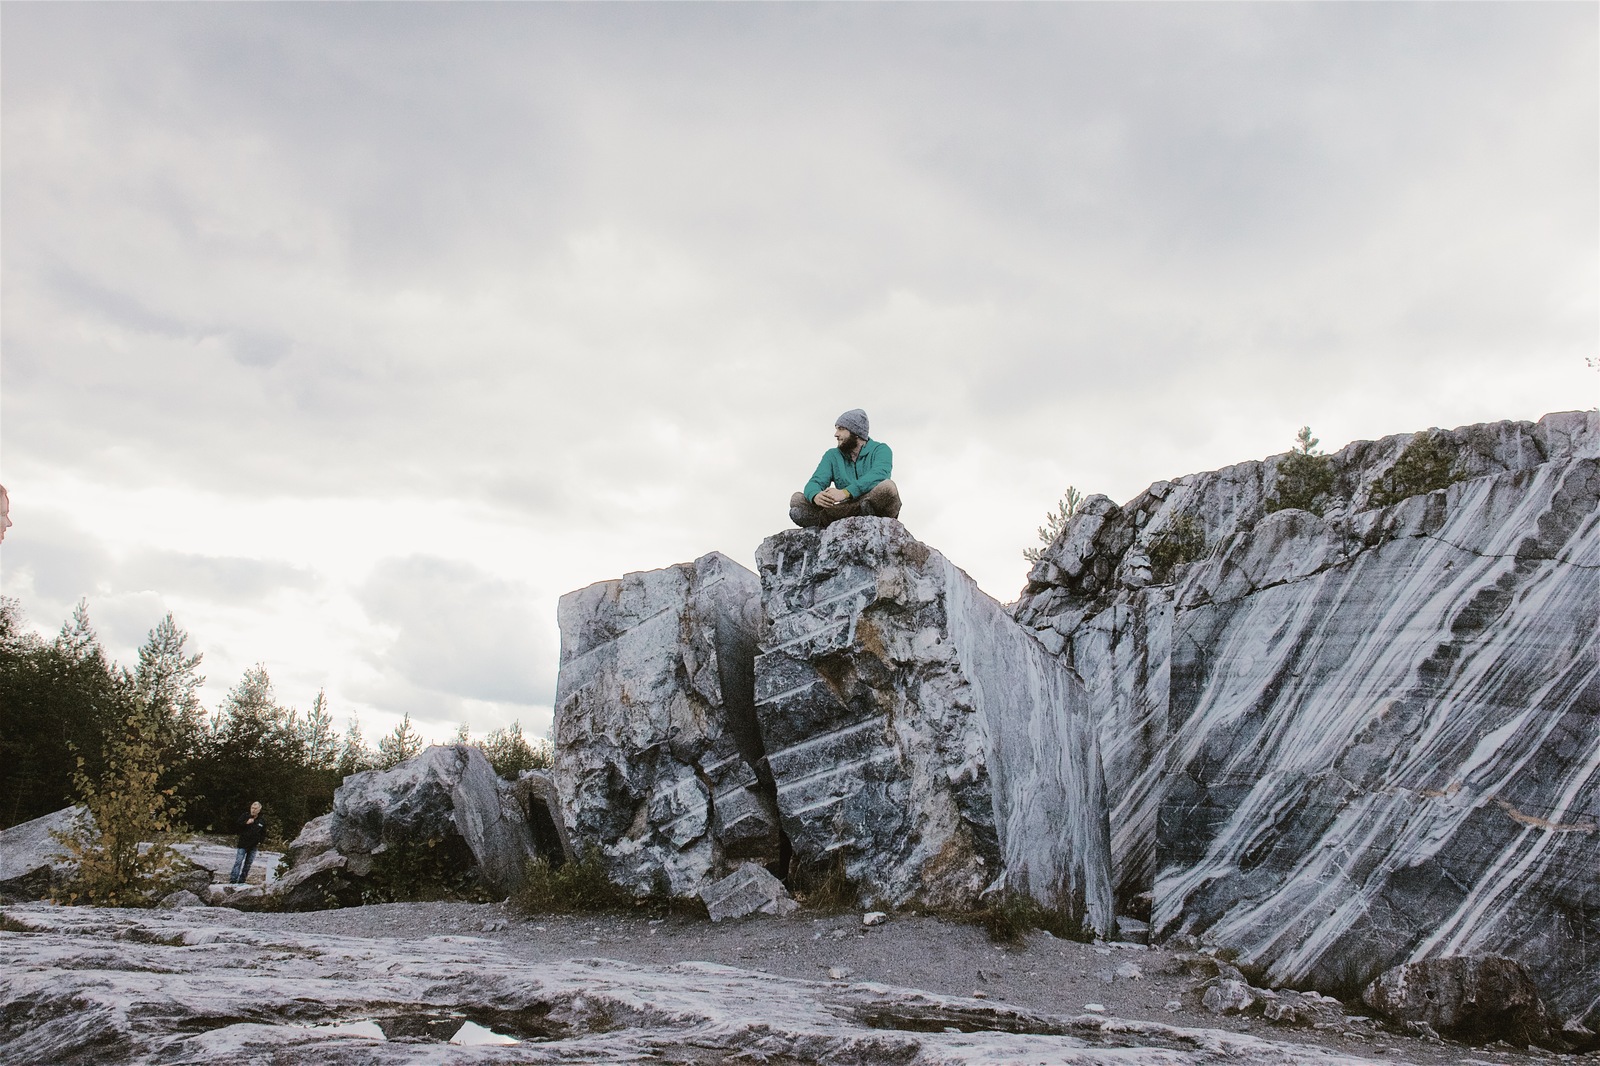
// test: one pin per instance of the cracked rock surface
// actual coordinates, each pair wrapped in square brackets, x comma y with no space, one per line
[220,987]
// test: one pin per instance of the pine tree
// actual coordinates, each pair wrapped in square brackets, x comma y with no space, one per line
[318,739]
[401,744]
[77,640]
[354,756]
[168,680]
[1054,522]
[510,753]
[1305,477]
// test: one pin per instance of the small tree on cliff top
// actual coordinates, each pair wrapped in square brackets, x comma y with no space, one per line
[1305,477]
[1054,522]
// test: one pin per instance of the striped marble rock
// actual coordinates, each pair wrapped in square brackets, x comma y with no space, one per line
[656,751]
[1338,744]
[921,741]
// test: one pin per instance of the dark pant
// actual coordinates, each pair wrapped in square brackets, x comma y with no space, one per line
[882,501]
[241,865]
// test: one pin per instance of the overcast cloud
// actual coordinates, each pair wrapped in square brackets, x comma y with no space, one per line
[356,334]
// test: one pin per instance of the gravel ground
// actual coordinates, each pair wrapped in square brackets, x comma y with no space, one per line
[1042,974]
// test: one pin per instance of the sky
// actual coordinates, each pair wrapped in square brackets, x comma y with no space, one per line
[355,335]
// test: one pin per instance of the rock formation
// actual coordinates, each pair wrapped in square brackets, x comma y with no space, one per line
[447,798]
[657,757]
[922,743]
[1341,741]
[30,855]
[1477,999]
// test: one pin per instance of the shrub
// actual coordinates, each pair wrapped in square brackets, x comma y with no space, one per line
[1305,477]
[1426,465]
[1182,540]
[126,808]
[580,887]
[1008,918]
[831,891]
[510,753]
[424,870]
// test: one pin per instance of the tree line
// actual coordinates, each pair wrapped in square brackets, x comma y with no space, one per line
[66,706]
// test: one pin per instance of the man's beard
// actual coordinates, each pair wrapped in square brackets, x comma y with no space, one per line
[852,446]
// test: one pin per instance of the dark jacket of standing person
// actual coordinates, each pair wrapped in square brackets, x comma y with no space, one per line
[252,833]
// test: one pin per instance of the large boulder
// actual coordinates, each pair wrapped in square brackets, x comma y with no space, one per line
[446,800]
[924,745]
[1477,999]
[658,761]
[31,863]
[1342,742]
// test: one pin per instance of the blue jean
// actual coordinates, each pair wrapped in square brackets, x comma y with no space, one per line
[241,865]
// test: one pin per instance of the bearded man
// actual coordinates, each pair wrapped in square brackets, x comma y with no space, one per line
[852,479]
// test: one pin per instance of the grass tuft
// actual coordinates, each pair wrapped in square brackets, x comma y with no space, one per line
[582,887]
[831,892]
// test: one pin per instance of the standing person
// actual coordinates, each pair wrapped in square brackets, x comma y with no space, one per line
[252,831]
[851,480]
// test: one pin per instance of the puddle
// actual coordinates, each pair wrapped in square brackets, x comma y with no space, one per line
[952,1019]
[454,1027]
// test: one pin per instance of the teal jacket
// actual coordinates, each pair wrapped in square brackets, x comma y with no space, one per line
[872,466]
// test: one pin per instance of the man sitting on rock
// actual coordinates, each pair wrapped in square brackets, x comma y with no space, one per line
[851,480]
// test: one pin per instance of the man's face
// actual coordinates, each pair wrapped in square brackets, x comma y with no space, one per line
[255,809]
[843,436]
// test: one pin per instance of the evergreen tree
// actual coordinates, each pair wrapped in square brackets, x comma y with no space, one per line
[1305,477]
[168,680]
[59,698]
[510,753]
[354,756]
[401,744]
[257,752]
[1054,522]
[77,640]
[318,739]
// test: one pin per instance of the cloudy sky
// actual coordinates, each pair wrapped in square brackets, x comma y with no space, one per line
[355,335]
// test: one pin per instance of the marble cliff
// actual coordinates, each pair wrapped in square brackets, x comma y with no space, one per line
[1337,743]
[1335,730]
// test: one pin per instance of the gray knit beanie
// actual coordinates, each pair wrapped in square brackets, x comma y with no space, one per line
[855,420]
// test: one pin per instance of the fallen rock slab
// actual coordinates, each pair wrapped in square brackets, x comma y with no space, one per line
[446,802]
[1474,998]
[750,889]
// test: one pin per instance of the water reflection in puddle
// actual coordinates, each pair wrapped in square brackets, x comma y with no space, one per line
[417,1029]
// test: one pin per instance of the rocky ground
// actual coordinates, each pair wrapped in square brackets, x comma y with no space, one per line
[219,986]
